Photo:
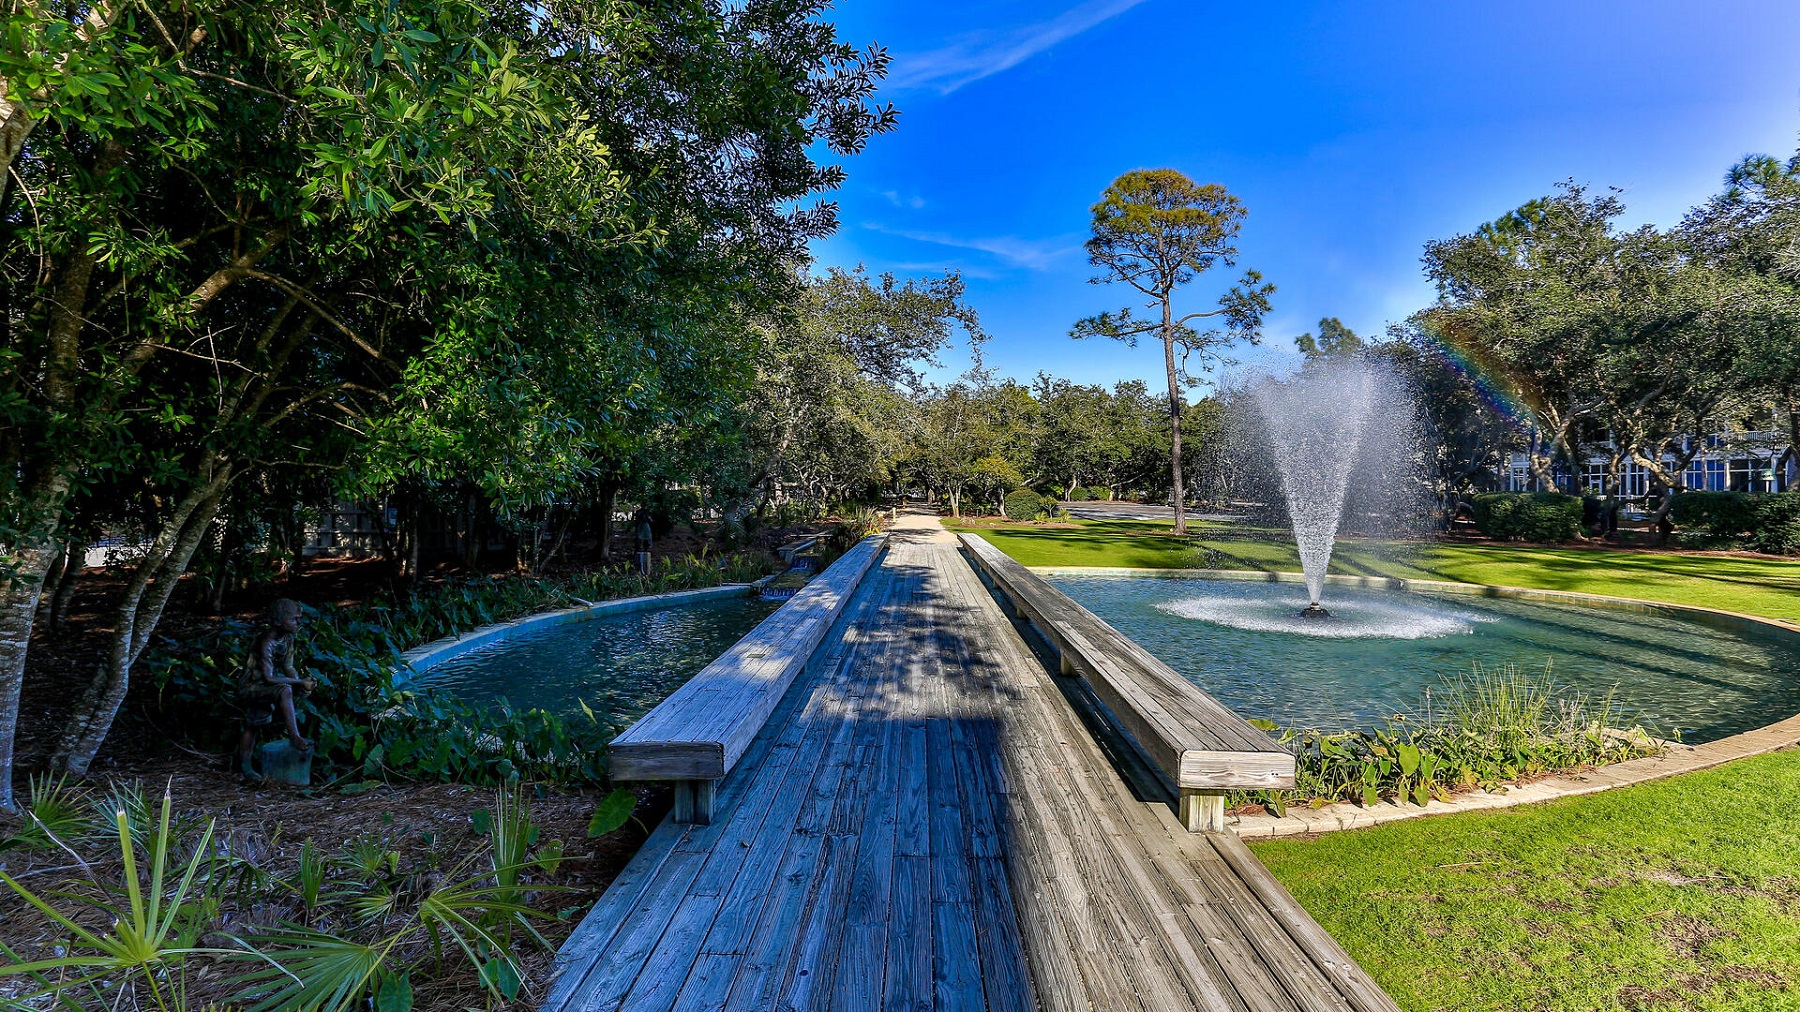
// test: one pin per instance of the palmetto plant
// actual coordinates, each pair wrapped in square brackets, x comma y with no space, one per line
[365,924]
[153,930]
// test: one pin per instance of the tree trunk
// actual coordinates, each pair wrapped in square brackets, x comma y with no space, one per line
[139,611]
[1168,338]
[18,612]
[74,562]
[53,578]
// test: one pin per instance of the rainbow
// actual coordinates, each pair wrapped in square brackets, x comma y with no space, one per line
[1493,383]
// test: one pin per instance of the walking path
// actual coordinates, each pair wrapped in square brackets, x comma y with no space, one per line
[926,823]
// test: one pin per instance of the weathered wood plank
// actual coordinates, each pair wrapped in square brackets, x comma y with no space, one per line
[704,727]
[1197,741]
[1325,952]
[924,822]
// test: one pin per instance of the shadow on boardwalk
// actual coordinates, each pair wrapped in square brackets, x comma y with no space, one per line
[926,824]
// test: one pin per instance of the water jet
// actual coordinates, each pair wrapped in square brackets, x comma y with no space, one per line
[1317,422]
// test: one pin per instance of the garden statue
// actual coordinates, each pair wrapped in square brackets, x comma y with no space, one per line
[646,535]
[270,681]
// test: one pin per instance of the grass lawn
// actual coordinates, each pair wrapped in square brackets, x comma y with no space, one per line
[1681,895]
[1676,895]
[1769,587]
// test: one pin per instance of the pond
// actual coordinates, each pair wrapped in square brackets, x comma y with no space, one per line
[1241,642]
[621,664]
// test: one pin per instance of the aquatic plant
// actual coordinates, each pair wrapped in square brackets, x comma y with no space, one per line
[1482,729]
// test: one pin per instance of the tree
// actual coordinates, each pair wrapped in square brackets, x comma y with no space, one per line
[1334,341]
[1753,228]
[1463,442]
[1541,297]
[410,244]
[1156,230]
[994,476]
[821,417]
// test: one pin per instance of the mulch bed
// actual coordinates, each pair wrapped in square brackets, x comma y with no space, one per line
[274,821]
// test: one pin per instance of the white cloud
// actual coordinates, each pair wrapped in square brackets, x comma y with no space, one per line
[913,202]
[1034,254]
[978,54]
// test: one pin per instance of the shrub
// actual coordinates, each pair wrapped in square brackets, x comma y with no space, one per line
[1713,519]
[1756,521]
[364,723]
[1527,516]
[1777,529]
[1094,493]
[853,525]
[1025,505]
[1481,730]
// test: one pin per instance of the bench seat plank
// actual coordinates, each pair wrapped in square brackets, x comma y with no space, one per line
[1196,740]
[703,728]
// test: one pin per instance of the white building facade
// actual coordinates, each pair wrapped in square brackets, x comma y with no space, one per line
[1748,462]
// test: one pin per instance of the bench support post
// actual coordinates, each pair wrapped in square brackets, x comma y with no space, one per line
[1068,666]
[694,801]
[1203,811]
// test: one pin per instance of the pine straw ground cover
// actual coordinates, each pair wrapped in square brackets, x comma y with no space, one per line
[429,828]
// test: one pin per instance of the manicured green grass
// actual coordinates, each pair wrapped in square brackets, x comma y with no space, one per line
[1768,587]
[1680,894]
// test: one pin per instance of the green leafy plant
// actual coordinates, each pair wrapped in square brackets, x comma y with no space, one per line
[1479,730]
[53,811]
[1026,505]
[1755,521]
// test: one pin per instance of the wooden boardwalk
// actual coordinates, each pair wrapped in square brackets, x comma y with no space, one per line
[926,823]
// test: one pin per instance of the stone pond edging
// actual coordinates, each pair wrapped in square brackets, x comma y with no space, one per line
[421,659]
[1677,760]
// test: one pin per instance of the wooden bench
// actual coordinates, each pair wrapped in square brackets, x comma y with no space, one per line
[698,734]
[1202,746]
[793,548]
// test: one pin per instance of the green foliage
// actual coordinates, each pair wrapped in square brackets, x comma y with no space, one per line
[1026,505]
[612,812]
[53,810]
[371,922]
[1541,517]
[1334,341]
[369,724]
[1753,521]
[1480,730]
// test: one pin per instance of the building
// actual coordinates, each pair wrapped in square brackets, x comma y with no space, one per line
[1747,462]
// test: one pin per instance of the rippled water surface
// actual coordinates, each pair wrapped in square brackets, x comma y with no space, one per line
[1241,642]
[620,665]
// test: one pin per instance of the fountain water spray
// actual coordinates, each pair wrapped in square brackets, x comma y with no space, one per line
[1317,422]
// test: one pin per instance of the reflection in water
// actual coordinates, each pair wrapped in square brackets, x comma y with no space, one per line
[620,665]
[1240,642]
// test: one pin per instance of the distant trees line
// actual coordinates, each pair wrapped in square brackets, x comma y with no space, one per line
[1644,347]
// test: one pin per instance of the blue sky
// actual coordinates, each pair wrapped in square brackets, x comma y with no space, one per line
[1354,133]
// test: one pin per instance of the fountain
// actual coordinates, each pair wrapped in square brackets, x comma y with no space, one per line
[1317,423]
